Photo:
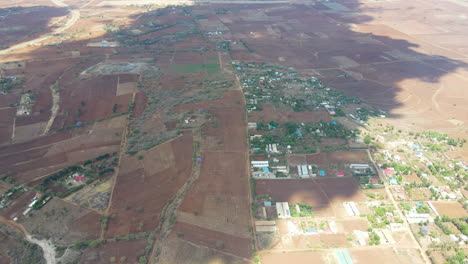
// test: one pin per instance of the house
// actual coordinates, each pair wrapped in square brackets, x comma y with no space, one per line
[340,174]
[79,178]
[260,164]
[389,171]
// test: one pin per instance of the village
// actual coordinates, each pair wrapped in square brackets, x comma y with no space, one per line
[345,178]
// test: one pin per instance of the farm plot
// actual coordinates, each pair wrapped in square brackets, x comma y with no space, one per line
[115,252]
[451,209]
[213,239]
[386,256]
[6,124]
[218,199]
[178,250]
[145,184]
[21,23]
[89,100]
[30,160]
[63,223]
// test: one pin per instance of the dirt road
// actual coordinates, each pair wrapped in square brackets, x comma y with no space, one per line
[75,15]
[47,247]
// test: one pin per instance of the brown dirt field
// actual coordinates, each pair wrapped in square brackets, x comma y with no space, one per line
[28,132]
[176,250]
[206,237]
[52,153]
[218,198]
[27,22]
[326,195]
[63,222]
[412,178]
[269,113]
[450,209]
[97,94]
[331,142]
[8,99]
[353,224]
[144,186]
[6,124]
[293,257]
[385,256]
[140,104]
[4,187]
[121,251]
[38,142]
[320,240]
[358,156]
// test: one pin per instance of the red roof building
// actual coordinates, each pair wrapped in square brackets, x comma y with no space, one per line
[389,171]
[341,174]
[79,178]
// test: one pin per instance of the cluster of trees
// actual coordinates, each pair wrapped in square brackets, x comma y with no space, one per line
[460,223]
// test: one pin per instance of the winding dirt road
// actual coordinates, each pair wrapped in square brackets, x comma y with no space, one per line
[75,15]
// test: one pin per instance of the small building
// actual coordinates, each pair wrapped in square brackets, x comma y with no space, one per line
[260,164]
[303,171]
[79,178]
[282,209]
[252,125]
[389,171]
[322,173]
[340,174]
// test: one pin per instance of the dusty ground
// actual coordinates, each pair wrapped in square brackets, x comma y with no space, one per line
[450,208]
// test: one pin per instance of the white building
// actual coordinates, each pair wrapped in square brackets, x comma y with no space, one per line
[282,209]
[260,164]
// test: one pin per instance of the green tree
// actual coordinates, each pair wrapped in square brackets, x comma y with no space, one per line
[367,139]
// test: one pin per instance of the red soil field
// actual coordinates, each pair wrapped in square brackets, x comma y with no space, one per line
[218,199]
[31,160]
[88,100]
[205,237]
[341,156]
[6,124]
[144,186]
[269,113]
[21,23]
[8,99]
[126,251]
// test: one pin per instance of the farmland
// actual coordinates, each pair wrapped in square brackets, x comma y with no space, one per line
[233,131]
